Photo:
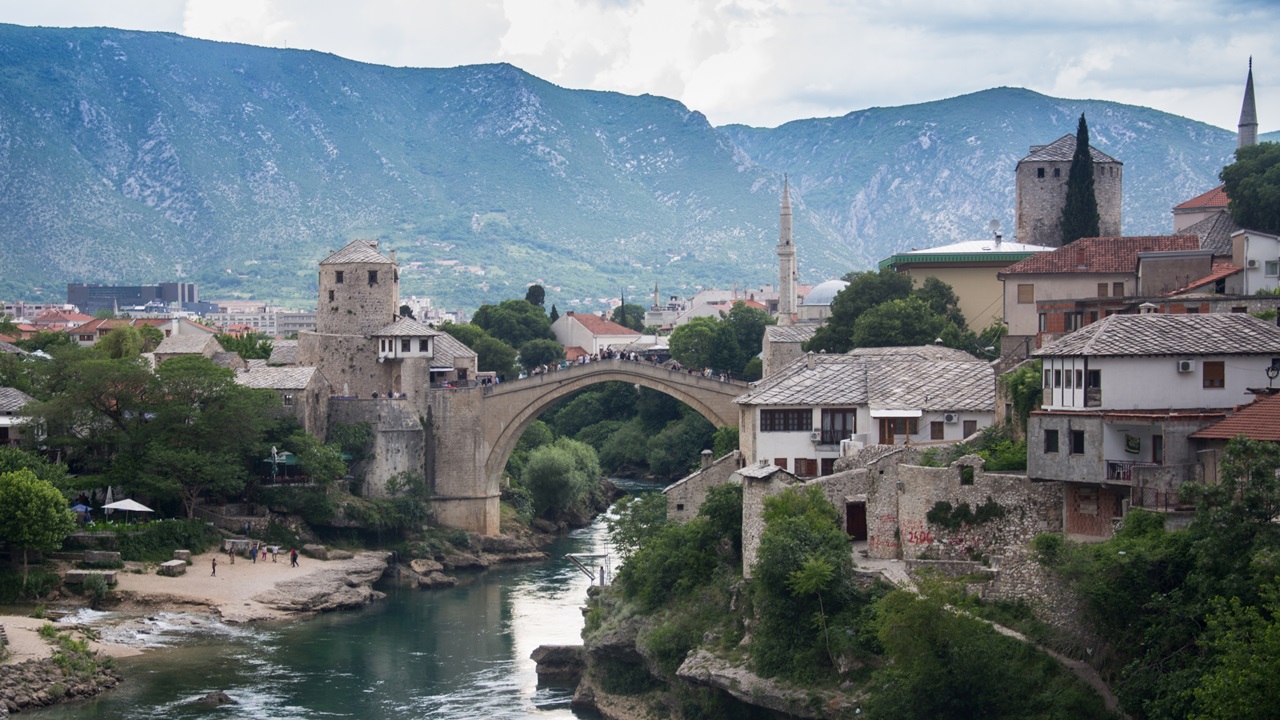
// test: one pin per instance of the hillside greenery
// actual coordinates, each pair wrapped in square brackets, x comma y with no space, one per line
[244,165]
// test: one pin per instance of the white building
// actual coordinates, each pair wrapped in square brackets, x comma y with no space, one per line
[798,417]
[591,333]
[1259,254]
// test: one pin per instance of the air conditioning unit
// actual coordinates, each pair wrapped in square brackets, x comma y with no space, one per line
[815,436]
[1251,263]
[1186,366]
[950,418]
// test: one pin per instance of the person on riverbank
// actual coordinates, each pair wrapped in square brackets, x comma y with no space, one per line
[275,551]
[231,553]
[215,567]
[253,554]
[293,557]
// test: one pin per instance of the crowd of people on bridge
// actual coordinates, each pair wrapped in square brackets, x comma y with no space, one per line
[631,356]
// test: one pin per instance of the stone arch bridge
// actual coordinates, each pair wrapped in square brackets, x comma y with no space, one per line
[472,431]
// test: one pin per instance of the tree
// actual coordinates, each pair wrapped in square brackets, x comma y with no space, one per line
[1080,211]
[1246,643]
[942,300]
[898,323]
[693,343]
[555,314]
[636,519]
[492,354]
[46,340]
[560,474]
[629,315]
[1253,184]
[514,322]
[33,515]
[540,352]
[748,326]
[864,291]
[250,346]
[13,459]
[8,326]
[535,295]
[123,342]
[322,462]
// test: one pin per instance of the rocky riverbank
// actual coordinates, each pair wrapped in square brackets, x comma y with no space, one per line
[37,683]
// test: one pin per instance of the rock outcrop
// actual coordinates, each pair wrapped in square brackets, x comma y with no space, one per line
[703,668]
[38,683]
[348,586]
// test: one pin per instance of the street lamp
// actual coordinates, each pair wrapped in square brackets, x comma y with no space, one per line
[1273,370]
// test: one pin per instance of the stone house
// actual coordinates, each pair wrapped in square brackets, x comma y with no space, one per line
[686,495]
[783,344]
[205,344]
[303,391]
[1123,395]
[12,422]
[799,417]
[1040,190]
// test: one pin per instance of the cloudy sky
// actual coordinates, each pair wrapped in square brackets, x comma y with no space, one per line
[764,62]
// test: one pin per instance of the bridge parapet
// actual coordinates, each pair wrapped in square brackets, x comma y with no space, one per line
[640,368]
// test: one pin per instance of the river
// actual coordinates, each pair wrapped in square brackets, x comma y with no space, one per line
[456,653]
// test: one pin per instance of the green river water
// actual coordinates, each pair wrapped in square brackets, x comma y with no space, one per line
[456,653]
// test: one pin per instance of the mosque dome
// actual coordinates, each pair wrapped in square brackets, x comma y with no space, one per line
[824,293]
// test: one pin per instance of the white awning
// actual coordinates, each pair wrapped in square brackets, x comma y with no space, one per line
[896,413]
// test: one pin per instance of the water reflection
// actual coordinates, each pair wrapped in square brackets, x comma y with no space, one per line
[462,652]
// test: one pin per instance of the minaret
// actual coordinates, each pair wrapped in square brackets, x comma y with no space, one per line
[1248,128]
[786,261]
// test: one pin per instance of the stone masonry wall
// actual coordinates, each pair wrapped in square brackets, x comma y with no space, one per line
[685,497]
[1040,200]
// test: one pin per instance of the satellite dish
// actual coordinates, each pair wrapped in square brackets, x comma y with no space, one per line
[994,226]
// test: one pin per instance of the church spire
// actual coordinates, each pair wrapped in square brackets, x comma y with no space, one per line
[1248,129]
[786,260]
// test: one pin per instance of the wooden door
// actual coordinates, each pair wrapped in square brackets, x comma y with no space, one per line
[855,520]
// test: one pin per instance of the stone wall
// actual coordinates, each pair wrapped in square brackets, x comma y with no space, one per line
[354,306]
[685,497]
[348,362]
[398,438]
[754,491]
[1020,577]
[1039,200]
[1029,508]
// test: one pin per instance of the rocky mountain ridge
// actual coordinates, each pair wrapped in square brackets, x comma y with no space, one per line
[126,155]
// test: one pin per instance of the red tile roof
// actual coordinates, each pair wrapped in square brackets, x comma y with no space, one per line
[1214,199]
[1221,269]
[573,352]
[1100,255]
[1260,420]
[597,325]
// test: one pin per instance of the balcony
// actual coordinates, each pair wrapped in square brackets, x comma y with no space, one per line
[1123,470]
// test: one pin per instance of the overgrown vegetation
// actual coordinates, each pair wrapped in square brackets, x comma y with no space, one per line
[155,541]
[1188,617]
[954,518]
[995,444]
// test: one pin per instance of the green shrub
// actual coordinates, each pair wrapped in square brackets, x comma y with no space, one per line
[94,588]
[156,541]
[314,505]
[622,678]
[40,582]
[1047,549]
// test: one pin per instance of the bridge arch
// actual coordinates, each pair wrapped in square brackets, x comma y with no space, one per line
[511,407]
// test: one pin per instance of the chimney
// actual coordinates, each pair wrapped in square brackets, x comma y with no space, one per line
[706,459]
[809,360]
[393,256]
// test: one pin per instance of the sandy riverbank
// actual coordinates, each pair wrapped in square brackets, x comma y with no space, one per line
[239,592]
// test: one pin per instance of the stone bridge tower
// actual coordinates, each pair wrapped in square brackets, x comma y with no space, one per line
[1041,191]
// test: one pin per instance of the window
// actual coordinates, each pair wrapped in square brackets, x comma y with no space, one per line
[1214,374]
[1051,441]
[424,345]
[1079,378]
[406,345]
[970,427]
[1039,172]
[1026,293]
[1057,172]
[287,400]
[1066,380]
[780,462]
[1102,289]
[806,467]
[894,427]
[1077,442]
[1094,379]
[1117,289]
[330,296]
[337,277]
[373,277]
[1239,309]
[1044,324]
[1057,378]
[1271,268]
[786,421]
[828,466]
[679,506]
[935,430]
[1048,379]
[837,425]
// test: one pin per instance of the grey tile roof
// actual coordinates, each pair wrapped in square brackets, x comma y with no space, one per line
[407,327]
[256,363]
[187,345]
[760,472]
[931,385]
[917,352]
[884,382]
[277,378]
[1215,232]
[447,349]
[1062,150]
[229,360]
[11,348]
[283,352]
[790,333]
[1160,334]
[13,399]
[358,251]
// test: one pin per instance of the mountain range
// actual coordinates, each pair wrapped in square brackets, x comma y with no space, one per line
[130,157]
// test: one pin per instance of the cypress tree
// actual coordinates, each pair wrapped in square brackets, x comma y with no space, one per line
[1080,213]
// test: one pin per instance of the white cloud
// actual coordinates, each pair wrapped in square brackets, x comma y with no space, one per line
[765,62]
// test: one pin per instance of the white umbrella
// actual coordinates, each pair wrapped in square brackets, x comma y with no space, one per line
[131,505]
[107,501]
[128,506]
